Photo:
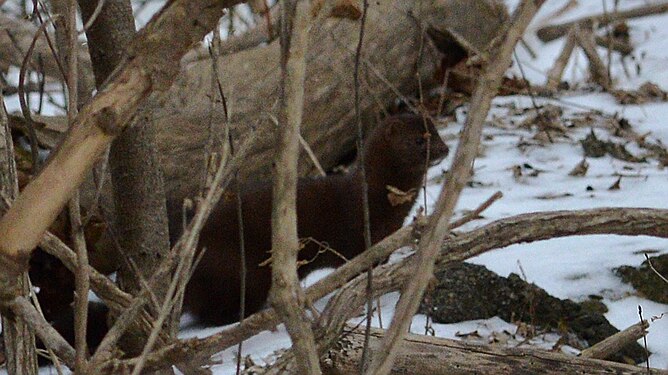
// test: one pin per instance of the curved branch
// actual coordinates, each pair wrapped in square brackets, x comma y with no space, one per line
[523,228]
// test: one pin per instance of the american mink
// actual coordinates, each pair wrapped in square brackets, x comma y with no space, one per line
[329,211]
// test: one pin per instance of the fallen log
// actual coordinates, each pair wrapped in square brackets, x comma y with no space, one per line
[431,355]
[396,52]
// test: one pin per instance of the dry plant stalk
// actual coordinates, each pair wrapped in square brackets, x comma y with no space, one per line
[467,149]
[557,70]
[475,214]
[286,295]
[597,69]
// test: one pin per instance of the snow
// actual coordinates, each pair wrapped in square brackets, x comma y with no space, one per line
[573,267]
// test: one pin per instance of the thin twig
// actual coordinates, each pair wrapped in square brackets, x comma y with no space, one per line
[365,186]
[644,339]
[93,17]
[25,108]
[475,214]
[22,307]
[82,278]
[557,70]
[585,39]
[651,266]
[311,155]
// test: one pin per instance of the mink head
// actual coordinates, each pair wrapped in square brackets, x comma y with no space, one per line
[405,142]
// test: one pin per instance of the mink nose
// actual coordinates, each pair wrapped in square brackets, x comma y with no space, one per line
[438,151]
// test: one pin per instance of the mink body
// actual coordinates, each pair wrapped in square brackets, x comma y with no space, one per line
[329,210]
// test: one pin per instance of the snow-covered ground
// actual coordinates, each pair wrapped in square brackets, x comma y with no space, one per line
[573,267]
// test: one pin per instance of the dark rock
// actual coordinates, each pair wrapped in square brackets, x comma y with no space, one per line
[467,292]
[645,280]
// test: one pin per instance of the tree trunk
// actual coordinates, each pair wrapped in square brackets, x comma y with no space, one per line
[140,221]
[19,339]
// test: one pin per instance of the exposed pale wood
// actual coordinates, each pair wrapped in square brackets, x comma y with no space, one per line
[426,355]
[286,295]
[616,342]
[99,122]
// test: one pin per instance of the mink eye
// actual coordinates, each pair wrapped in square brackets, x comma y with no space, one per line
[419,141]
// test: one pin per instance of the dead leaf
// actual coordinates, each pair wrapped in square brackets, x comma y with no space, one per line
[397,196]
[517,172]
[596,148]
[616,185]
[580,169]
[648,92]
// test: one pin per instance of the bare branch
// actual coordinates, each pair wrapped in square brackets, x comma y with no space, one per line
[467,149]
[616,342]
[557,70]
[597,69]
[552,32]
[286,295]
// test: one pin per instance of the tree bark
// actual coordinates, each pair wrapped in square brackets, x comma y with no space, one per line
[19,338]
[425,355]
[286,294]
[138,189]
[250,79]
[148,68]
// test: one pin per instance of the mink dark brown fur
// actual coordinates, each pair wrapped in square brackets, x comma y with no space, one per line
[329,211]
